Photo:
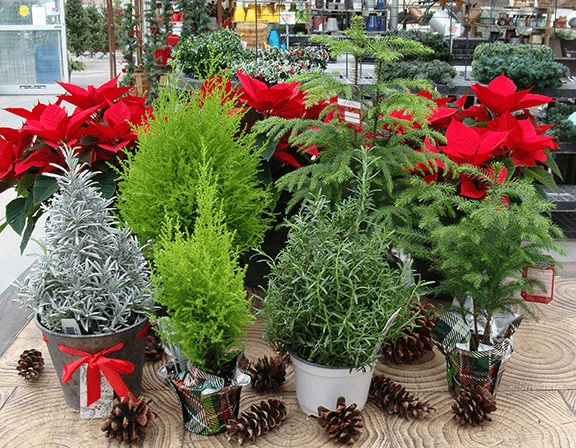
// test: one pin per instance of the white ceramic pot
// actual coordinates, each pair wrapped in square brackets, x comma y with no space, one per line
[319,385]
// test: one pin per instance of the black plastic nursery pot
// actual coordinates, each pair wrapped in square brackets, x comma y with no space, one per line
[132,350]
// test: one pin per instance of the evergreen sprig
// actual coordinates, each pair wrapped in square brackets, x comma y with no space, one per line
[91,270]
[482,246]
[200,282]
[332,172]
[335,285]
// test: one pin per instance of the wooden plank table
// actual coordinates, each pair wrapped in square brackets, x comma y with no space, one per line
[536,400]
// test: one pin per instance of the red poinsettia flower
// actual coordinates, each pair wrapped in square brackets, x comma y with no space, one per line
[467,145]
[500,95]
[91,96]
[524,145]
[115,132]
[54,125]
[281,100]
[220,87]
[42,158]
[8,154]
[137,107]
[442,117]
[33,114]
[478,113]
[282,155]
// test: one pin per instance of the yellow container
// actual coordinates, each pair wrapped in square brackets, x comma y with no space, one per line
[251,13]
[239,14]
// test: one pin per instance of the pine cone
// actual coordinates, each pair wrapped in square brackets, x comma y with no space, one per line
[268,374]
[154,349]
[473,405]
[257,421]
[343,423]
[394,399]
[415,341]
[30,364]
[129,421]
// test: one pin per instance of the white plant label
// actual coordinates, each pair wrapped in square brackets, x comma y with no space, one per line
[100,407]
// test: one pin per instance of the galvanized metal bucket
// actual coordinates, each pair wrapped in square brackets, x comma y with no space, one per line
[134,339]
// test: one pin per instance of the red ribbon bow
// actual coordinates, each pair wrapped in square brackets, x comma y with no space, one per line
[111,368]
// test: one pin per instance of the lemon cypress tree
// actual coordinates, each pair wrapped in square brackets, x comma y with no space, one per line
[200,282]
[161,177]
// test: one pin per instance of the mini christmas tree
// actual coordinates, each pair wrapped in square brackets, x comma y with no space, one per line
[91,270]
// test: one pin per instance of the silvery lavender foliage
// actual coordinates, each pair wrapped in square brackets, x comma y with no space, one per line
[91,270]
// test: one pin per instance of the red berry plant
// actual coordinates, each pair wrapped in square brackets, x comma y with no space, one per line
[100,128]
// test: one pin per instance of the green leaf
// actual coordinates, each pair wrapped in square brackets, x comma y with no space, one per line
[106,183]
[268,143]
[32,220]
[551,163]
[543,176]
[16,212]
[44,187]
[510,168]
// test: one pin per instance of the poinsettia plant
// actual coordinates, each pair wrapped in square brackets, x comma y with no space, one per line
[99,128]
[500,128]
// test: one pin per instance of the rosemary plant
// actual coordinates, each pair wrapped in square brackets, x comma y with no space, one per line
[334,287]
[91,270]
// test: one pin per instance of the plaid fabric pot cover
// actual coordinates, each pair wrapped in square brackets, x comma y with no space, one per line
[203,413]
[483,366]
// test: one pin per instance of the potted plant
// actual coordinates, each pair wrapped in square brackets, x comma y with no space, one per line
[333,293]
[201,285]
[161,177]
[90,289]
[481,247]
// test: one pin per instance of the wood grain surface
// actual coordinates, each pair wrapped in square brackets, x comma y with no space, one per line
[536,400]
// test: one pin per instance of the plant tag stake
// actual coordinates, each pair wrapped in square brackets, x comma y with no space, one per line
[70,326]
[543,293]
[102,406]
[349,111]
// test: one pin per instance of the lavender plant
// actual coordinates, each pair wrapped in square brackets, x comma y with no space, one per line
[91,269]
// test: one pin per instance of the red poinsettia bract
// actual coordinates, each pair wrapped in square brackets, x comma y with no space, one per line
[281,100]
[500,96]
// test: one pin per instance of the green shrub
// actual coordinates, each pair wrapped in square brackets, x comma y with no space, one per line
[436,42]
[558,114]
[435,71]
[274,65]
[161,177]
[201,53]
[526,70]
[540,52]
[336,284]
[200,282]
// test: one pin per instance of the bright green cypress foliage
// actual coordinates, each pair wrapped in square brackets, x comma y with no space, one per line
[200,282]
[161,177]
